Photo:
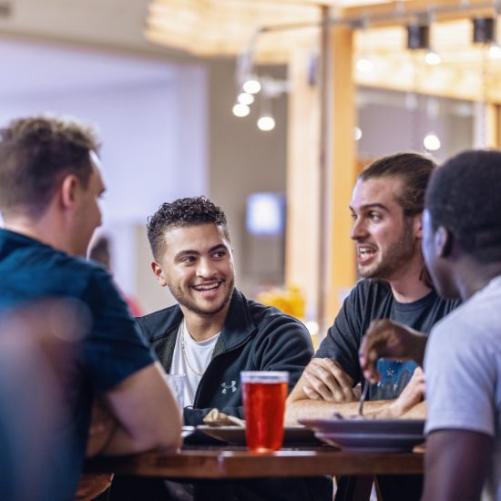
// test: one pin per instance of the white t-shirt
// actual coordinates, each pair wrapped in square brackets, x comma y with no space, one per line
[463,373]
[191,358]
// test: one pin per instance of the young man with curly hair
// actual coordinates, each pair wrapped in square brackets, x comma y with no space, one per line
[214,332]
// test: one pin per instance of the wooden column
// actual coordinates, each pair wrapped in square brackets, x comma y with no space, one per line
[304,188]
[303,179]
[340,252]
[493,126]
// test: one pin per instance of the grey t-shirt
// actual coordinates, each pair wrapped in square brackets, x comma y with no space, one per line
[463,373]
[373,299]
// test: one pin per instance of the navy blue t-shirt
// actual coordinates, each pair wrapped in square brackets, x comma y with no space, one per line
[110,347]
[373,299]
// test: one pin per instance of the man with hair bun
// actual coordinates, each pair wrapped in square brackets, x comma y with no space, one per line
[386,207]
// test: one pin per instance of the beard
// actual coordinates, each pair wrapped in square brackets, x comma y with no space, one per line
[398,254]
[192,305]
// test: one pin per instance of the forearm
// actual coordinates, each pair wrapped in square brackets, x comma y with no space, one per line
[146,413]
[97,442]
[392,410]
[122,442]
[419,411]
[101,429]
[91,485]
[319,409]
[194,417]
[378,409]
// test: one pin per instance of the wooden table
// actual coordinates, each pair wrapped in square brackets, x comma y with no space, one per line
[234,462]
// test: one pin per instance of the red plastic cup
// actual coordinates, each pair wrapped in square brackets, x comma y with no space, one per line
[264,394]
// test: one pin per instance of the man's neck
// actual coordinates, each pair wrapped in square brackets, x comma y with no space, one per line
[410,284]
[472,277]
[201,327]
[406,292]
[40,230]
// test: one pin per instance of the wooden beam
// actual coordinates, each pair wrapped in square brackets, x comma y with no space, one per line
[303,189]
[467,71]
[302,238]
[341,256]
[392,13]
[493,126]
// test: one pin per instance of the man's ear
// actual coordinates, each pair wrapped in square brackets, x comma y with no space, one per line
[157,271]
[418,226]
[443,241]
[68,190]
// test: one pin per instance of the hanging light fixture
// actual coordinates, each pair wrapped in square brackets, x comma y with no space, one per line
[484,30]
[240,110]
[252,85]
[364,63]
[484,33]
[266,123]
[245,98]
[418,38]
[431,142]
[432,57]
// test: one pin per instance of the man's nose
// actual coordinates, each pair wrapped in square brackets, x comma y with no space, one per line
[358,230]
[205,268]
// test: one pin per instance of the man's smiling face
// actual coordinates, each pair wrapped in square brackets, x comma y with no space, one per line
[197,266]
[385,239]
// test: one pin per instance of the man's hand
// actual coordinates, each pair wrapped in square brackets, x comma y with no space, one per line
[412,394]
[325,380]
[385,338]
[410,397]
[101,428]
[92,485]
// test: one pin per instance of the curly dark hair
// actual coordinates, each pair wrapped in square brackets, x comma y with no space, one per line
[183,212]
[463,196]
[35,154]
[414,169]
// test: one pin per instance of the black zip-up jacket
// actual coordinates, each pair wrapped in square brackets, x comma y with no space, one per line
[254,337]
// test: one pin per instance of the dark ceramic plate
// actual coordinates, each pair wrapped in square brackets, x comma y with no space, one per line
[376,435]
[235,435]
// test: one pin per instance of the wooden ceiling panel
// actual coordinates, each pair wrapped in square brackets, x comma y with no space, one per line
[226,27]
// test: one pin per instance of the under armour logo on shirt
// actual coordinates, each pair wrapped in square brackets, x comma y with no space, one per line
[231,387]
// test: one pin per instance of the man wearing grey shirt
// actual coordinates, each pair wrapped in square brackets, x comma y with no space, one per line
[462,246]
[462,249]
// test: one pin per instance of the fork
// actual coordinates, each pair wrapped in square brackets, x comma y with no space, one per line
[363,396]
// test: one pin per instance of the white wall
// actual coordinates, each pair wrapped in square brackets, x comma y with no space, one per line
[245,160]
[389,126]
[152,122]
[144,130]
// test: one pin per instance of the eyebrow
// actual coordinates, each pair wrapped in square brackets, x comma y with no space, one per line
[371,206]
[192,251]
